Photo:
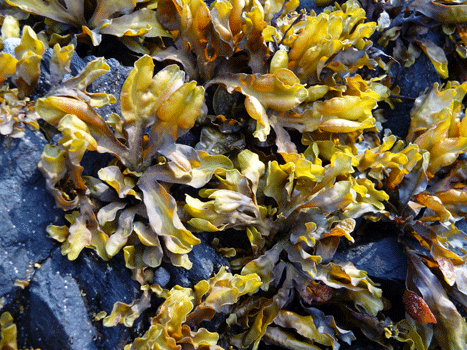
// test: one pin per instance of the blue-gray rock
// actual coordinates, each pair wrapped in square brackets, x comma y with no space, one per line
[462,225]
[206,262]
[62,295]
[58,318]
[382,259]
[103,283]
[110,82]
[26,208]
[311,5]
[65,295]
[161,277]
[412,82]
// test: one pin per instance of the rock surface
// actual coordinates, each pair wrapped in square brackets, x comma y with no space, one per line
[412,81]
[68,294]
[55,311]
[59,302]
[382,259]
[110,82]
[26,209]
[206,262]
[57,315]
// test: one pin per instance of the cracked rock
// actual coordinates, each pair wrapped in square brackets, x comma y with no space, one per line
[110,82]
[56,310]
[382,259]
[26,209]
[64,297]
[58,317]
[412,81]
[206,262]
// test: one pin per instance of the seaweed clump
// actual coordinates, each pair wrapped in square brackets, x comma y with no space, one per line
[291,155]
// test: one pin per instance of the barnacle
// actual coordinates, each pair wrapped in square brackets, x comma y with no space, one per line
[251,76]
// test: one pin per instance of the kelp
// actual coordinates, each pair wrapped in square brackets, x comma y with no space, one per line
[23,69]
[176,323]
[446,18]
[118,18]
[250,77]
[8,332]
[147,130]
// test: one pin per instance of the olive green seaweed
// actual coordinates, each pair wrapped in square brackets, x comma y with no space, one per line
[248,77]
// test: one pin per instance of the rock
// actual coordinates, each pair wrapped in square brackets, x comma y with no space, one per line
[311,5]
[382,259]
[206,262]
[110,82]
[9,45]
[55,311]
[462,225]
[103,284]
[412,82]
[161,277]
[58,318]
[386,265]
[65,295]
[26,209]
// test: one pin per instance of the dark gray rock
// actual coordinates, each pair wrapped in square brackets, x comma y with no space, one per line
[206,262]
[26,209]
[161,277]
[103,284]
[383,259]
[412,82]
[64,295]
[110,82]
[44,84]
[311,5]
[385,262]
[462,225]
[57,313]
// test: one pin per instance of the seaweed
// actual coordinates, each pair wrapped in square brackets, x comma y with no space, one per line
[270,73]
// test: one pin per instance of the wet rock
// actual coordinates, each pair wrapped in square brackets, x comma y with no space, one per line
[104,283]
[462,225]
[110,82]
[412,82]
[65,295]
[56,310]
[381,259]
[191,138]
[92,162]
[386,265]
[310,5]
[206,262]
[57,313]
[26,209]
[161,277]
